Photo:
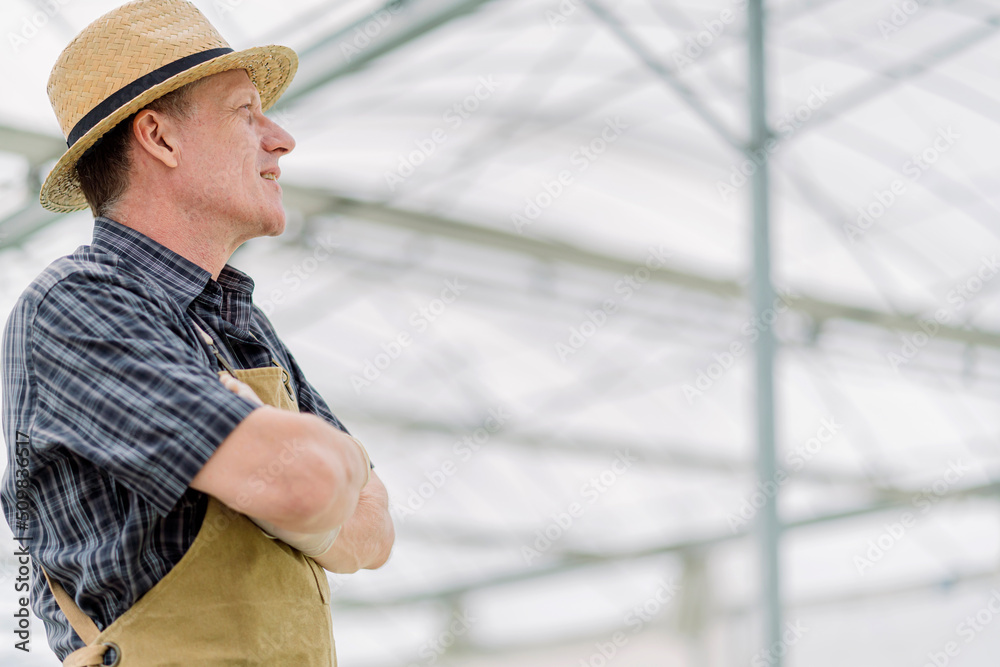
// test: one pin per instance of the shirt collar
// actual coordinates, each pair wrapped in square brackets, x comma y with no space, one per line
[180,277]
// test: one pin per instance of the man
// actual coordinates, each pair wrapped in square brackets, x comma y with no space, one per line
[149,408]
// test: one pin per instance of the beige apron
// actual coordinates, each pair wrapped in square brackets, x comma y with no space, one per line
[235,598]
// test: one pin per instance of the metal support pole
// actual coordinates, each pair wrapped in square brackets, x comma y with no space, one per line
[763,299]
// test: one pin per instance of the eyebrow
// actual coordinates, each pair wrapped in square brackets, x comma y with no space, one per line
[243,96]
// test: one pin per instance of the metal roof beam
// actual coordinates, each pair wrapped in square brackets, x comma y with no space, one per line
[34,146]
[644,453]
[574,561]
[663,73]
[24,223]
[351,48]
[896,74]
[315,201]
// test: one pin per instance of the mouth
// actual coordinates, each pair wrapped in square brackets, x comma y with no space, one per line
[270,175]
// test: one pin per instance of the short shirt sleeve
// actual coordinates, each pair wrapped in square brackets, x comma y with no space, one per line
[118,382]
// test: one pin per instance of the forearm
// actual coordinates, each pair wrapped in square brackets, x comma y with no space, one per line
[294,471]
[342,454]
[319,483]
[325,481]
[366,539]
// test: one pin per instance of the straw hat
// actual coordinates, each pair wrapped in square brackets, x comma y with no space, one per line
[131,56]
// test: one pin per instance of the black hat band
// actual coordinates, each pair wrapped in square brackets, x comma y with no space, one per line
[131,91]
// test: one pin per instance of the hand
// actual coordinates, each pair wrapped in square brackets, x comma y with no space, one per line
[366,539]
[311,544]
[239,388]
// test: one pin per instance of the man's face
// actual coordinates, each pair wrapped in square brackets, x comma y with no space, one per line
[227,146]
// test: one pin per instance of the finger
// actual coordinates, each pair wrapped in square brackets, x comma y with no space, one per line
[232,384]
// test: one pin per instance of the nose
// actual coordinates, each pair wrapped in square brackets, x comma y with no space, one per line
[276,139]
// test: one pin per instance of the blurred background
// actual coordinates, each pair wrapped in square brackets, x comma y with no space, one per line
[520,266]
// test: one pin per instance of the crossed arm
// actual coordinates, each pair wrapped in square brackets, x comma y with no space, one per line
[365,541]
[320,486]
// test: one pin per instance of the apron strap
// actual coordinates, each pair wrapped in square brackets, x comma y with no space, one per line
[88,656]
[210,342]
[81,623]
[91,655]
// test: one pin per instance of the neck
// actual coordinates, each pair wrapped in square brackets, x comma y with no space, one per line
[193,238]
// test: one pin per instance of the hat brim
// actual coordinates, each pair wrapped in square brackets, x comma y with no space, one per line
[271,69]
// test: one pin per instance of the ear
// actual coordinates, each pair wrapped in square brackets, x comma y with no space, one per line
[157,135]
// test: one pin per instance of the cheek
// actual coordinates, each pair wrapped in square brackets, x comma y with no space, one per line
[227,167]
[232,175]
[225,155]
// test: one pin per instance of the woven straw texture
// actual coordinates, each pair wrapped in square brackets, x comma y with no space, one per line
[126,44]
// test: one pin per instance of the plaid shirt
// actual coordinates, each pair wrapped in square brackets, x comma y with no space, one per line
[107,382]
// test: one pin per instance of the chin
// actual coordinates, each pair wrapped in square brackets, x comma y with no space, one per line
[277,226]
[272,222]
